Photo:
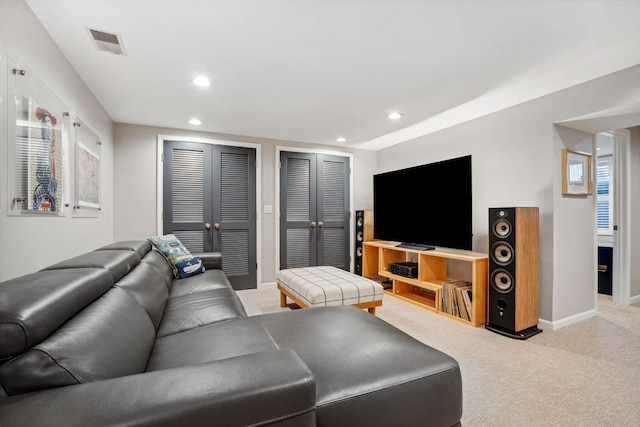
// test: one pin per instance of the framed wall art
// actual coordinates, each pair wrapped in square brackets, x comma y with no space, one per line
[576,173]
[87,170]
[40,137]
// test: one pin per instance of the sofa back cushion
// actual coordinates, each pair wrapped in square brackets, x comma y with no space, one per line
[110,338]
[149,288]
[142,247]
[156,260]
[35,305]
[117,262]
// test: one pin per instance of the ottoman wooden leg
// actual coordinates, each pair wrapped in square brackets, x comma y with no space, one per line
[372,310]
[283,299]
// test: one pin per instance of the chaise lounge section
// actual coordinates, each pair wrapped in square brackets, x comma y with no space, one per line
[112,338]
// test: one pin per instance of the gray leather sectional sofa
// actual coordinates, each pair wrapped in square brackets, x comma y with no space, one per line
[110,338]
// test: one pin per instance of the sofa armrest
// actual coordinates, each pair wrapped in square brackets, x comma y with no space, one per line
[255,389]
[211,260]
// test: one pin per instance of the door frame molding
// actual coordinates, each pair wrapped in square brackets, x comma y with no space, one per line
[160,183]
[276,217]
[621,276]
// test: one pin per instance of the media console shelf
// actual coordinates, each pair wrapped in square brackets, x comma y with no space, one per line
[426,290]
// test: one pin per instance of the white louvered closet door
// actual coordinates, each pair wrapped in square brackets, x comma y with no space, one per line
[314,207]
[209,204]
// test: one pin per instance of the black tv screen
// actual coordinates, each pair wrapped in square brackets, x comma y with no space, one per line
[428,205]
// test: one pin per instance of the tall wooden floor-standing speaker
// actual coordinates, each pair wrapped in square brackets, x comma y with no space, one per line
[364,233]
[514,246]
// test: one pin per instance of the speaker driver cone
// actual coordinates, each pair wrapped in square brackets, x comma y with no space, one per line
[502,228]
[501,281]
[502,253]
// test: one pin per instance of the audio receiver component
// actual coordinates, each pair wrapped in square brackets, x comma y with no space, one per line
[406,269]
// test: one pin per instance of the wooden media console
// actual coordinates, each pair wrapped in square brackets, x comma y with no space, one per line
[433,281]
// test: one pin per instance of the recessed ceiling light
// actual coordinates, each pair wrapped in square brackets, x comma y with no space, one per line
[195,122]
[394,116]
[201,81]
[341,139]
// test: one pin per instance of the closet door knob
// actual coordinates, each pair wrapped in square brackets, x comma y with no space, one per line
[207,226]
[321,224]
[313,225]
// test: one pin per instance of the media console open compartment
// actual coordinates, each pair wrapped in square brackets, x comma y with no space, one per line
[426,290]
[428,296]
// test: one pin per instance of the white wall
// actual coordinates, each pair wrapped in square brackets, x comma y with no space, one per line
[31,243]
[516,162]
[575,234]
[135,172]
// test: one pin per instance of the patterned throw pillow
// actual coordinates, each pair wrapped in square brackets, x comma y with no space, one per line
[177,255]
[189,267]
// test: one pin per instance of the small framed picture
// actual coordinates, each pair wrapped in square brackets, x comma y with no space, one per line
[576,173]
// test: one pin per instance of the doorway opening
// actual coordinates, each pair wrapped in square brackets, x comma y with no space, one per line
[613,214]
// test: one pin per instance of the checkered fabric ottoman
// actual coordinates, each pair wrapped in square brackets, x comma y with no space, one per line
[326,285]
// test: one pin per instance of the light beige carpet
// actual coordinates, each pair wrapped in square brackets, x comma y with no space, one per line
[587,374]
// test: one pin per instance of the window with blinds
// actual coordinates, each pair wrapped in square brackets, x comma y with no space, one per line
[605,195]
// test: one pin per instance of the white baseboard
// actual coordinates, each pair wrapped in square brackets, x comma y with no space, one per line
[268,285]
[545,324]
[634,300]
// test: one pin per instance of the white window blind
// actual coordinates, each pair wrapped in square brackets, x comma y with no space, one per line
[605,195]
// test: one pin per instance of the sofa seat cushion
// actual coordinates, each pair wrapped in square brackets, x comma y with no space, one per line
[112,337]
[367,370]
[198,309]
[211,279]
[209,343]
[35,305]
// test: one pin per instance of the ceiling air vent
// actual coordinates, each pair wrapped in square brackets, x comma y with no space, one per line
[107,42]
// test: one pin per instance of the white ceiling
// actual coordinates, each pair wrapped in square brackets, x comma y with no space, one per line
[314,70]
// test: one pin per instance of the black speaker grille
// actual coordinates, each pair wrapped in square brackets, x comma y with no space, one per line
[359,225]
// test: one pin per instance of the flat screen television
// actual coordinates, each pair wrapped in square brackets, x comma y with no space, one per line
[425,206]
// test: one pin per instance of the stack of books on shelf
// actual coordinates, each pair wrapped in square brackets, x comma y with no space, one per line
[456,298]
